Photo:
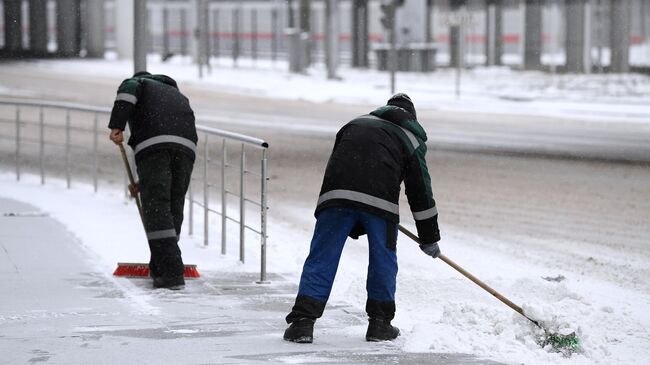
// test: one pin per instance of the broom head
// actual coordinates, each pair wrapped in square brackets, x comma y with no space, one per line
[140,270]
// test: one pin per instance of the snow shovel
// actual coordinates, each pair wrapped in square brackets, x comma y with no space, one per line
[566,344]
[130,269]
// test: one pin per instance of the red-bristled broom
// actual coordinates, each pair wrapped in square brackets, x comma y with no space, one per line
[140,270]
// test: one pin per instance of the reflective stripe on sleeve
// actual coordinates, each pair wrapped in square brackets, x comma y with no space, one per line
[129,98]
[425,214]
[361,198]
[165,139]
[165,233]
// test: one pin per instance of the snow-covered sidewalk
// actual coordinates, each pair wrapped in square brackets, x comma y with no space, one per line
[61,305]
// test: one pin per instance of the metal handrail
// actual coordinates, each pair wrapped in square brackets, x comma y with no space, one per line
[259,143]
[55,104]
[207,133]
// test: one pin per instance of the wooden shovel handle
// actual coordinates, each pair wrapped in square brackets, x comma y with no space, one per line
[127,166]
[473,278]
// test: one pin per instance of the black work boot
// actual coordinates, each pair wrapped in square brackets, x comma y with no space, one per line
[169,282]
[300,331]
[170,270]
[381,330]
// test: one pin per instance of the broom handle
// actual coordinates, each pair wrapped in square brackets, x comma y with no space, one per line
[473,278]
[131,180]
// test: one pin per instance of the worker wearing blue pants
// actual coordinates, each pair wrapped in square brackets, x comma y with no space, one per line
[373,154]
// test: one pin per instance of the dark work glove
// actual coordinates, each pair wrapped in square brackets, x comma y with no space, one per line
[134,189]
[431,249]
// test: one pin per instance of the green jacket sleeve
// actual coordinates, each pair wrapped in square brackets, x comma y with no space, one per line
[420,197]
[124,105]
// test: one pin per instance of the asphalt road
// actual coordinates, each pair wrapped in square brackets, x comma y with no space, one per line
[455,131]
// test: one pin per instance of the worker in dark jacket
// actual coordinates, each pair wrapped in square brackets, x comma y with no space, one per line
[163,136]
[372,155]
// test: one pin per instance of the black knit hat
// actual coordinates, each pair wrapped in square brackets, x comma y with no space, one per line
[403,101]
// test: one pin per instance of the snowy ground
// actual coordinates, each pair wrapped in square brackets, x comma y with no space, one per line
[602,292]
[438,310]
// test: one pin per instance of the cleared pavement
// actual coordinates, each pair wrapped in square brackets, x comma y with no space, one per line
[58,308]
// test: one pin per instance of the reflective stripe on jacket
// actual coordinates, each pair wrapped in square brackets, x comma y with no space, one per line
[372,155]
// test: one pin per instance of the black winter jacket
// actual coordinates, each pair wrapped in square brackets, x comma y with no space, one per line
[372,155]
[158,114]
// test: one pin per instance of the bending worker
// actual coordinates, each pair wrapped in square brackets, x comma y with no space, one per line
[163,137]
[372,155]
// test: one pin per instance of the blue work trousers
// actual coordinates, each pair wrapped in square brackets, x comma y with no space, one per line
[333,225]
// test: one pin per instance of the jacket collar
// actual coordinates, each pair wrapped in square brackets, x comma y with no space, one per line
[402,118]
[161,78]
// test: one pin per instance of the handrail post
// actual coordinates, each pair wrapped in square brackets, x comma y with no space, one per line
[206,225]
[224,204]
[226,136]
[242,207]
[41,149]
[17,143]
[95,154]
[67,147]
[263,203]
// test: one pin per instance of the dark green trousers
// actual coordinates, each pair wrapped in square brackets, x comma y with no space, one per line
[164,179]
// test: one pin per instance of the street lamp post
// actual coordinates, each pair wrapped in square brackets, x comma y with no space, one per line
[388,10]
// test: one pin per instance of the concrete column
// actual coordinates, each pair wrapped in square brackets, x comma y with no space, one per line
[620,35]
[455,34]
[95,35]
[533,35]
[124,28]
[165,32]
[305,16]
[360,33]
[575,36]
[140,36]
[599,31]
[428,26]
[305,27]
[291,23]
[193,17]
[494,32]
[589,39]
[554,32]
[236,31]
[332,40]
[183,28]
[203,39]
[68,26]
[645,20]
[38,26]
[13,26]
